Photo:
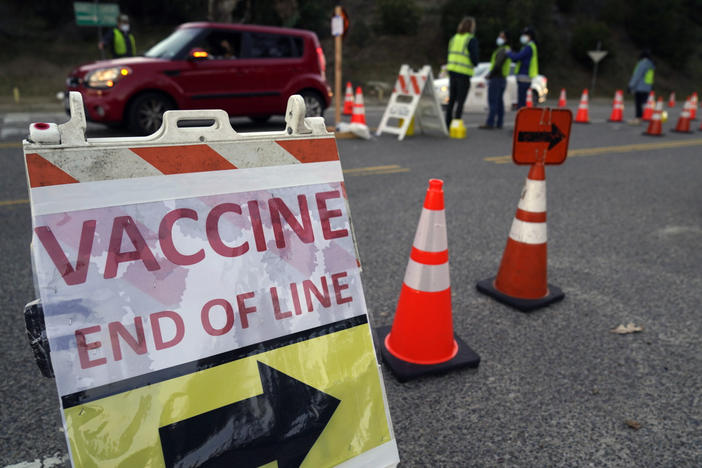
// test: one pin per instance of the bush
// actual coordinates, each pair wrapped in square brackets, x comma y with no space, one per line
[398,17]
[585,38]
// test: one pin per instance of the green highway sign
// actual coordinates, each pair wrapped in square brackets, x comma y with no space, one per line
[96,14]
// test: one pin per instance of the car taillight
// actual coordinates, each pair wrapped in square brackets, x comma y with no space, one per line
[322,63]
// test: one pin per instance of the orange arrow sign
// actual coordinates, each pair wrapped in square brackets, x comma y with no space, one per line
[541,134]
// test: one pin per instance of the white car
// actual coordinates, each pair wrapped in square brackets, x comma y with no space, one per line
[477,100]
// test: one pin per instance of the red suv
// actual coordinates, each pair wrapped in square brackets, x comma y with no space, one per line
[246,70]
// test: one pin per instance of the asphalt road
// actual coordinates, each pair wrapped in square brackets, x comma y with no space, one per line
[555,387]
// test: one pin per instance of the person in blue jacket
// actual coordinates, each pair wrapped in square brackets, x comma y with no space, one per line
[528,65]
[641,83]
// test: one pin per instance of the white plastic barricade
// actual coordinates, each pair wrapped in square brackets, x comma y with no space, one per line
[413,98]
[202,296]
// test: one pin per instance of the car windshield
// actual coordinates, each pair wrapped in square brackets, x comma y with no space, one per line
[173,44]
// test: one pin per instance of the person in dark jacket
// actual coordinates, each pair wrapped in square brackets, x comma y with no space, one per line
[641,83]
[462,58]
[119,41]
[497,82]
[528,66]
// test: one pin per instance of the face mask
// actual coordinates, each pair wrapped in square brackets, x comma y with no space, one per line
[524,39]
[500,41]
[124,28]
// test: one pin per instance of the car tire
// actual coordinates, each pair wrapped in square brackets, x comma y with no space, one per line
[259,119]
[314,104]
[146,112]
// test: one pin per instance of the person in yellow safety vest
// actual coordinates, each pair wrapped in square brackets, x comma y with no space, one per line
[528,66]
[497,82]
[119,41]
[641,83]
[462,55]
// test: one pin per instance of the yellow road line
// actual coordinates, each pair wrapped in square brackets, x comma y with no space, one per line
[374,170]
[612,149]
[12,202]
[10,144]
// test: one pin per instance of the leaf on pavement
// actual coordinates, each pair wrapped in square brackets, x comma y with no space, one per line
[633,424]
[626,329]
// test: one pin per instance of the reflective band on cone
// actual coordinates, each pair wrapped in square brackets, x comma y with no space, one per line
[521,280]
[422,340]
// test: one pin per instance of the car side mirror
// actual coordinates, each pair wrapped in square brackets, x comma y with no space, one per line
[197,54]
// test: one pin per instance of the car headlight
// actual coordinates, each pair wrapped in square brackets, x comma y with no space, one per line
[106,77]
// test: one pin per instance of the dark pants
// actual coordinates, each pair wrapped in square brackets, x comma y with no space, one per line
[522,88]
[459,84]
[496,91]
[641,99]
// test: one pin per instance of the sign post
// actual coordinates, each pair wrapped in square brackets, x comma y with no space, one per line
[202,296]
[596,56]
[338,24]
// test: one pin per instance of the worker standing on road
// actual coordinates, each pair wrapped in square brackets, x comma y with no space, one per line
[641,83]
[528,66]
[462,55]
[497,81]
[119,41]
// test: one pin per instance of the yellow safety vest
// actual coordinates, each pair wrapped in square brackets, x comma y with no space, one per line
[458,57]
[533,64]
[505,65]
[120,45]
[648,77]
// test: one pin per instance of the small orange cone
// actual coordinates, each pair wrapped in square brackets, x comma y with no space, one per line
[683,125]
[671,99]
[648,108]
[617,114]
[562,98]
[359,109]
[693,106]
[521,281]
[529,98]
[422,340]
[348,99]
[583,108]
[655,127]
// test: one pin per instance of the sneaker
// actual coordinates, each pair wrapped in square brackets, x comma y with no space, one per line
[486,127]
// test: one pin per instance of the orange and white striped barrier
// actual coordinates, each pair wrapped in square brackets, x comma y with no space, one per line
[649,107]
[413,100]
[617,114]
[583,109]
[348,100]
[200,244]
[655,126]
[683,125]
[562,99]
[521,281]
[419,342]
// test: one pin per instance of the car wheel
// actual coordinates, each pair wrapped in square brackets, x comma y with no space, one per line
[259,119]
[146,112]
[313,103]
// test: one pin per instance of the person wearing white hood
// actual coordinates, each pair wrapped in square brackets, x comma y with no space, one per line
[119,41]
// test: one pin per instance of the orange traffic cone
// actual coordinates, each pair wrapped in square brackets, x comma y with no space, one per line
[671,99]
[521,281]
[582,115]
[655,127]
[617,114]
[648,108]
[693,106]
[359,109]
[683,125]
[348,99]
[422,340]
[529,98]
[562,98]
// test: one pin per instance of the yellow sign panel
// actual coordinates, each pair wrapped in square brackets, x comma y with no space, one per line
[123,429]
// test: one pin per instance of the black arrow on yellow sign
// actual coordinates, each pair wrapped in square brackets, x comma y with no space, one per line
[283,423]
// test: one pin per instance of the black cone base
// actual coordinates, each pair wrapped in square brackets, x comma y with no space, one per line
[681,131]
[404,371]
[652,134]
[525,305]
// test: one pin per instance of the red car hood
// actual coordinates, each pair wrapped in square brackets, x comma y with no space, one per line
[121,62]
